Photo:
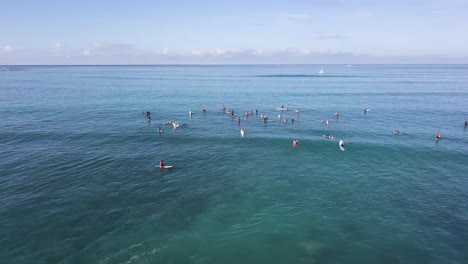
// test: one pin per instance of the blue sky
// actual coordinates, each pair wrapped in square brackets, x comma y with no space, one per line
[211,32]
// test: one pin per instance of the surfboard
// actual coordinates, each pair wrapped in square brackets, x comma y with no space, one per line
[325,136]
[282,108]
[341,144]
[165,166]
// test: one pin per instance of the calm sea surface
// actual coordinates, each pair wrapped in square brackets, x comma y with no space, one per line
[78,182]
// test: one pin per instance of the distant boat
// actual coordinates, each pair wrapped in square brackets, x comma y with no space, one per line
[321,71]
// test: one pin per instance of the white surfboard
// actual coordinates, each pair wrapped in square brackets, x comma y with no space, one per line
[341,144]
[328,137]
[165,167]
[282,108]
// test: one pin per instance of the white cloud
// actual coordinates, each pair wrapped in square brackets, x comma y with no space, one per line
[8,48]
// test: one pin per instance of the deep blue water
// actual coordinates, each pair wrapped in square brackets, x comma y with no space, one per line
[78,182]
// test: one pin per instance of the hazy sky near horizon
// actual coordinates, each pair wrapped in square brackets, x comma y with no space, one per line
[206,32]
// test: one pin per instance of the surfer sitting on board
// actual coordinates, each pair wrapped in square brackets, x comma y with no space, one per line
[328,136]
[161,164]
[396,132]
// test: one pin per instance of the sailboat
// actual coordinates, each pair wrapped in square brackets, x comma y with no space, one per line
[321,71]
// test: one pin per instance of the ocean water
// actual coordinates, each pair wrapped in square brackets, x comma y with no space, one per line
[78,182]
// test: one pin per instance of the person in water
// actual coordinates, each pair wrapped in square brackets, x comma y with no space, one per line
[342,144]
[396,132]
[437,136]
[337,114]
[159,130]
[161,164]
[466,123]
[295,143]
[149,118]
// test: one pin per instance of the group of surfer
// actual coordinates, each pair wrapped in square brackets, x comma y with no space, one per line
[265,119]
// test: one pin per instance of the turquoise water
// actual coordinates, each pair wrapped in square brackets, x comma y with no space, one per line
[78,182]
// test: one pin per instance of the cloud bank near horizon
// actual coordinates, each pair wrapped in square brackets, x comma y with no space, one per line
[126,53]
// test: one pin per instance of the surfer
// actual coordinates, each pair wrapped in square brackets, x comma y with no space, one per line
[437,136]
[396,132]
[203,109]
[337,114]
[342,144]
[159,130]
[366,110]
[149,118]
[242,132]
[265,119]
[285,120]
[466,123]
[328,136]
[238,120]
[256,112]
[161,164]
[295,143]
[292,120]
[190,113]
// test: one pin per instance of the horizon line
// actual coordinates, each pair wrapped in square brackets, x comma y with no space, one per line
[230,64]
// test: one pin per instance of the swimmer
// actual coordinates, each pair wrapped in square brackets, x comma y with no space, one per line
[242,132]
[190,113]
[327,122]
[285,120]
[159,130]
[366,110]
[297,111]
[437,137]
[294,144]
[203,109]
[466,123]
[292,120]
[149,118]
[238,120]
[279,116]
[337,114]
[256,112]
[396,132]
